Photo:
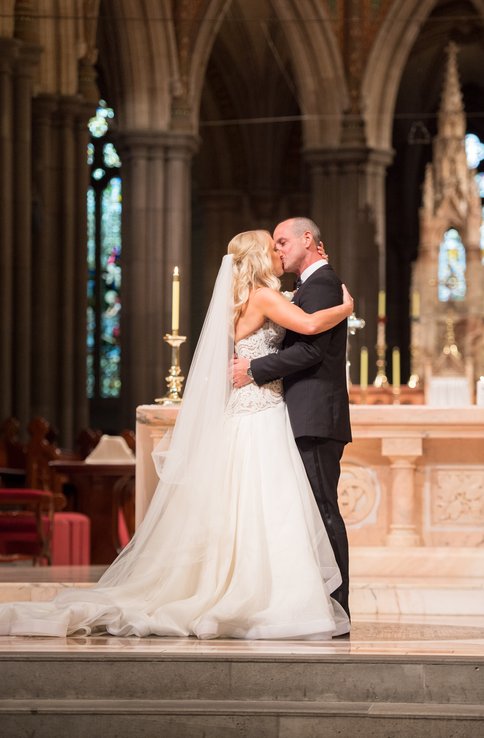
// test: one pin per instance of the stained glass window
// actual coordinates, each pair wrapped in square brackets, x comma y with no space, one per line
[104,203]
[452,267]
[475,160]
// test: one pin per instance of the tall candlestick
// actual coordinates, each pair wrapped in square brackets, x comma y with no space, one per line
[175,302]
[415,309]
[381,304]
[174,380]
[396,368]
[364,369]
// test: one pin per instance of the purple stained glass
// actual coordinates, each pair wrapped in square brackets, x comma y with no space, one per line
[111,286]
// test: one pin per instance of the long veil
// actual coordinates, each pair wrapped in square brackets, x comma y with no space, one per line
[230,545]
[191,471]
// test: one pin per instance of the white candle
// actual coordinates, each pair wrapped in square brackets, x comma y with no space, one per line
[364,369]
[175,301]
[381,304]
[415,304]
[396,367]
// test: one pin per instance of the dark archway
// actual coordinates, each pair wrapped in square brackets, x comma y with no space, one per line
[249,171]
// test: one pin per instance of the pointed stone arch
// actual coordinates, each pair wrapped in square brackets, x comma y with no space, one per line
[316,62]
[387,61]
[138,64]
[384,70]
[202,49]
[318,68]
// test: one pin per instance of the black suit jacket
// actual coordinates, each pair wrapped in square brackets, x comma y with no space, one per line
[313,367]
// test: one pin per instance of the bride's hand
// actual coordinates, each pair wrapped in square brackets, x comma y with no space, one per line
[347,301]
[322,251]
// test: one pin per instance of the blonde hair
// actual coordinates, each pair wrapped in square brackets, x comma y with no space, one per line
[251,253]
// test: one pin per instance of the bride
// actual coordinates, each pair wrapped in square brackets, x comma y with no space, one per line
[232,544]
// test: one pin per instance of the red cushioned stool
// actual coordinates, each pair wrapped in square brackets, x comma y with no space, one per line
[71,539]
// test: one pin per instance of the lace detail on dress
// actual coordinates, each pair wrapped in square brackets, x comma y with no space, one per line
[252,398]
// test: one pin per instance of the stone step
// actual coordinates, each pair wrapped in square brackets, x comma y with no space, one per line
[238,690]
[310,677]
[244,719]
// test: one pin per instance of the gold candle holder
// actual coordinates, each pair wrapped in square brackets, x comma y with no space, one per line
[381,377]
[174,380]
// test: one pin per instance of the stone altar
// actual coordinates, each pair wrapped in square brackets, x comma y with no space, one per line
[412,494]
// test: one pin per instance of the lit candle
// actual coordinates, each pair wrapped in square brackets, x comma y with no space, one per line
[415,304]
[381,304]
[364,369]
[175,302]
[396,367]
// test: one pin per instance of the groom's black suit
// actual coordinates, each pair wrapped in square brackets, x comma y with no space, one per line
[314,372]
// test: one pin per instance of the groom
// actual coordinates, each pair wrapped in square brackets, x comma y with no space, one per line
[314,372]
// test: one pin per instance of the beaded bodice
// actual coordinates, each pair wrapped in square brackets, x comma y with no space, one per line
[252,398]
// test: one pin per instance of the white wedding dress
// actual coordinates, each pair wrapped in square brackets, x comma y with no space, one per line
[269,571]
[232,544]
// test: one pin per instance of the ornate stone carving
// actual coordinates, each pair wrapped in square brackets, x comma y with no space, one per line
[359,495]
[456,498]
[451,200]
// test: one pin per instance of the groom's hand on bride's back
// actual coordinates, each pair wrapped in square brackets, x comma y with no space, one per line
[239,367]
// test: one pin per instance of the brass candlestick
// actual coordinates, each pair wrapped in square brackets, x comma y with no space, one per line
[381,377]
[174,379]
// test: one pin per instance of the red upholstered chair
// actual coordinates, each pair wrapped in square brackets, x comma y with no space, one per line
[41,448]
[26,525]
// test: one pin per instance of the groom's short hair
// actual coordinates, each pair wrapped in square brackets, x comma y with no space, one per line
[300,225]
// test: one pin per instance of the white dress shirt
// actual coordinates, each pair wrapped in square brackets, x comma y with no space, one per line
[311,269]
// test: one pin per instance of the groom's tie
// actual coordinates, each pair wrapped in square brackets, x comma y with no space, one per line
[298,283]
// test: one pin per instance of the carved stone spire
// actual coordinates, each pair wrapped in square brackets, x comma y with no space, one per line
[428,199]
[450,201]
[451,177]
[452,121]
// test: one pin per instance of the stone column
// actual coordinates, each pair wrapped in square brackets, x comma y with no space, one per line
[68,108]
[404,527]
[44,261]
[22,213]
[180,148]
[348,203]
[222,219]
[144,278]
[156,238]
[80,401]
[8,52]
[60,177]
